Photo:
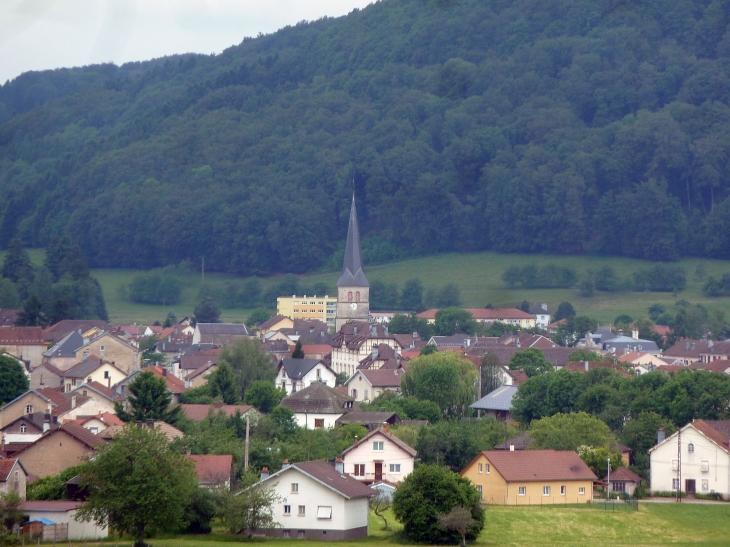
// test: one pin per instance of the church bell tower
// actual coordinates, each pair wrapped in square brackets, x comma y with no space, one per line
[353,289]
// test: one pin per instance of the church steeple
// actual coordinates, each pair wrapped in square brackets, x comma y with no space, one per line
[352,273]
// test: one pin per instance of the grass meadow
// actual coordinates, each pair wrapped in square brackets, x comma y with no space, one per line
[653,525]
[478,275]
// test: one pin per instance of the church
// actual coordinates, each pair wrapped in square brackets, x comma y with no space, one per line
[353,289]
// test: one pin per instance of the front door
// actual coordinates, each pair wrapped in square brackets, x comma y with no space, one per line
[689,486]
[378,471]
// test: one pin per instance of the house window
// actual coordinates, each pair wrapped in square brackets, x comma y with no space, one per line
[318,423]
[395,468]
[287,534]
[349,296]
[481,468]
[378,446]
[302,511]
[89,379]
[359,469]
[300,534]
[705,485]
[106,374]
[489,468]
[545,490]
[295,488]
[101,348]
[562,490]
[690,448]
[23,428]
[324,512]
[366,395]
[521,491]
[619,487]
[581,491]
[29,409]
[675,484]
[357,296]
[705,466]
[94,430]
[287,510]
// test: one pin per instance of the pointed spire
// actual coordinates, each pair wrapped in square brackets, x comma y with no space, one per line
[352,273]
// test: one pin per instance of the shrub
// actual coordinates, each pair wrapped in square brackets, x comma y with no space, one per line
[660,278]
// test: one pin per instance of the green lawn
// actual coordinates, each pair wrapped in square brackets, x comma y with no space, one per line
[654,525]
[478,275]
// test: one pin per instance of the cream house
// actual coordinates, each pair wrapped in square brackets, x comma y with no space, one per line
[316,501]
[366,385]
[705,459]
[531,477]
[355,341]
[92,369]
[379,456]
[13,477]
[318,405]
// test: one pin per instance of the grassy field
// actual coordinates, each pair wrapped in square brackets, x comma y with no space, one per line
[478,275]
[654,525]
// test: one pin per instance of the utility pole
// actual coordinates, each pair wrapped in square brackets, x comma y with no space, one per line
[608,480]
[248,431]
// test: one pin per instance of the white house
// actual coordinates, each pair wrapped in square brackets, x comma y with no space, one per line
[318,405]
[541,314]
[317,501]
[379,456]
[64,512]
[705,459]
[295,374]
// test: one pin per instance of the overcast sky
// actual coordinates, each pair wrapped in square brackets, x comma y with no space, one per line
[43,34]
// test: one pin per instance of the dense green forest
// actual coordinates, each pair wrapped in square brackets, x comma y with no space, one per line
[561,126]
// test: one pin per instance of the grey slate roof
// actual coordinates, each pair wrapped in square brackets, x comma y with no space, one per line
[499,399]
[318,398]
[66,346]
[297,368]
[352,273]
[626,342]
[84,368]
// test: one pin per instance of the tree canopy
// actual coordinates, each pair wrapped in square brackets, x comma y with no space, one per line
[137,482]
[149,399]
[463,126]
[13,381]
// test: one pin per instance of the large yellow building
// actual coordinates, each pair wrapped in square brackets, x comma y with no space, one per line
[531,477]
[322,308]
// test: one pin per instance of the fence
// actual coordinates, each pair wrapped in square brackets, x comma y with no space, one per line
[547,502]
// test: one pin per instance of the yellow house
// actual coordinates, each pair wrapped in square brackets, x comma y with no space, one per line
[322,308]
[531,477]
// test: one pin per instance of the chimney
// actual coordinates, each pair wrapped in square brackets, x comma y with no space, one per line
[264,473]
[511,448]
[543,306]
[415,335]
[585,363]
[164,372]
[385,427]
[686,345]
[285,464]
[356,440]
[321,334]
[47,419]
[375,353]
[660,434]
[635,334]
[339,466]
[73,401]
[354,330]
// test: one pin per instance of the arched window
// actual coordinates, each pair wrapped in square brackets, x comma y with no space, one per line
[357,296]
[349,296]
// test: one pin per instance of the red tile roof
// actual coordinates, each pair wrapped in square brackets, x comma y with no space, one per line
[213,468]
[580,366]
[485,314]
[538,465]
[316,348]
[624,474]
[519,377]
[21,336]
[80,433]
[50,505]
[174,384]
[326,474]
[711,433]
[383,378]
[6,467]
[719,365]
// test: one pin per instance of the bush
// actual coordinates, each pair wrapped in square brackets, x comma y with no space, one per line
[429,493]
[546,277]
[714,288]
[660,278]
[156,287]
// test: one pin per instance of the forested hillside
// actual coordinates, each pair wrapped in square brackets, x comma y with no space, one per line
[562,126]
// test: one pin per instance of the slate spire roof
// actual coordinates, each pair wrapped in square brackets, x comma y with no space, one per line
[352,273]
